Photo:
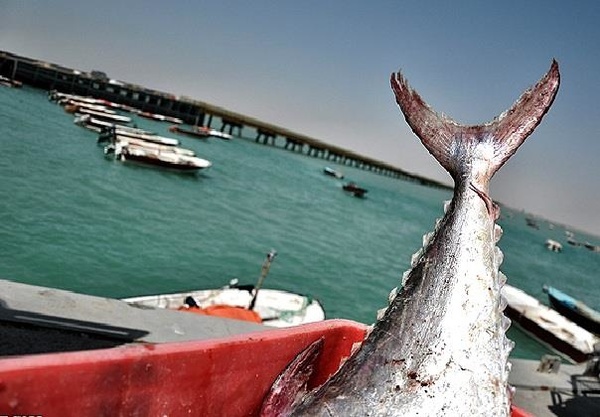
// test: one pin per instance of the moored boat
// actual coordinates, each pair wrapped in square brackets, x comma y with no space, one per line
[8,82]
[113,118]
[271,307]
[97,125]
[552,329]
[158,117]
[130,152]
[333,173]
[354,189]
[194,131]
[574,310]
[201,132]
[155,146]
[117,133]
[275,308]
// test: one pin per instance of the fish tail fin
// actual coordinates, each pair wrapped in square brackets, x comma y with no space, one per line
[452,144]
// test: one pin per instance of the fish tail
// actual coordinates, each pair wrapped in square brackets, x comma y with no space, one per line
[455,145]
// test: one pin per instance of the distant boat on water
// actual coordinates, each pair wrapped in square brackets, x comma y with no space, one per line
[163,156]
[355,190]
[333,173]
[200,132]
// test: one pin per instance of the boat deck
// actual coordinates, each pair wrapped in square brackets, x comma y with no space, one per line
[38,319]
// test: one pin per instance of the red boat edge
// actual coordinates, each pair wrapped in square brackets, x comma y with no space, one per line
[220,377]
[228,376]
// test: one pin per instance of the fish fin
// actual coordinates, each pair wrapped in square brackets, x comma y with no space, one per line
[290,385]
[444,138]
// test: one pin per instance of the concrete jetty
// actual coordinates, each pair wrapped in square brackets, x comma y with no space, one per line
[97,84]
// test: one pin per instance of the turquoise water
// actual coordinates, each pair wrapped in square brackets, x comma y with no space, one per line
[72,219]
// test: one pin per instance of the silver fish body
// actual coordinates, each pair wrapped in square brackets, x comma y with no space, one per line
[440,348]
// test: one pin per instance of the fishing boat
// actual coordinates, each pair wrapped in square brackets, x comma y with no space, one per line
[62,98]
[74,106]
[225,376]
[201,132]
[552,329]
[218,134]
[271,307]
[194,131]
[151,145]
[355,190]
[333,173]
[158,117]
[124,150]
[99,126]
[573,309]
[553,245]
[113,118]
[113,133]
[7,82]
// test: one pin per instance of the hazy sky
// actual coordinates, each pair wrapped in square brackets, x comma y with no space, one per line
[322,68]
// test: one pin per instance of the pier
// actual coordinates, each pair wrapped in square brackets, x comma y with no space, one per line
[97,84]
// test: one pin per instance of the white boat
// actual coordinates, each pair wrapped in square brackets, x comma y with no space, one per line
[548,326]
[333,173]
[97,125]
[114,118]
[73,106]
[151,145]
[275,308]
[112,134]
[218,134]
[124,150]
[201,132]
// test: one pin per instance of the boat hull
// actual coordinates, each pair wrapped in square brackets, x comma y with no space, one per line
[220,377]
[145,160]
[583,321]
[276,308]
[548,326]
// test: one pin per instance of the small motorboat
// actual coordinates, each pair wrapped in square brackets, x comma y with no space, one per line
[275,308]
[100,126]
[113,118]
[333,173]
[574,310]
[125,150]
[201,132]
[113,133]
[552,329]
[8,82]
[150,145]
[159,117]
[553,245]
[355,190]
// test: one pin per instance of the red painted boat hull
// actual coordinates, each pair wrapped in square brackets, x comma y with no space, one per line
[222,377]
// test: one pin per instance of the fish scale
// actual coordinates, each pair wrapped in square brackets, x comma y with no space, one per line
[440,348]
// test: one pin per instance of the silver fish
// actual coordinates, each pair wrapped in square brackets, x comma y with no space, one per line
[440,348]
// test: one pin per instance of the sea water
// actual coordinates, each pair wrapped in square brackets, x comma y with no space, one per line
[74,219]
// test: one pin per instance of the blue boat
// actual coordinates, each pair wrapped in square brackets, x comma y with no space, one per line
[574,310]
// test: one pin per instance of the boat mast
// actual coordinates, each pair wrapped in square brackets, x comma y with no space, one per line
[263,274]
